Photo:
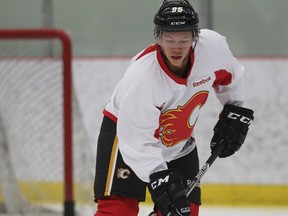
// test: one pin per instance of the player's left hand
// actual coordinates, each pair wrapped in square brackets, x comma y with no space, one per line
[232,127]
[168,193]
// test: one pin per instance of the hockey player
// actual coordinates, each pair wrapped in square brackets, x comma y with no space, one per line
[146,137]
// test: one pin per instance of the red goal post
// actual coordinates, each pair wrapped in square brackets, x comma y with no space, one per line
[35,34]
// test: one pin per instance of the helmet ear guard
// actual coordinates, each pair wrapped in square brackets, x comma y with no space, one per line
[176,16]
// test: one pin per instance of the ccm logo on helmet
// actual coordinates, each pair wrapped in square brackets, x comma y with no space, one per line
[178,23]
[241,118]
[160,181]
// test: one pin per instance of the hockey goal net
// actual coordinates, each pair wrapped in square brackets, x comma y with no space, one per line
[38,175]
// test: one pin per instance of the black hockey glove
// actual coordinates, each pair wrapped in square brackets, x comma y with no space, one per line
[232,127]
[169,193]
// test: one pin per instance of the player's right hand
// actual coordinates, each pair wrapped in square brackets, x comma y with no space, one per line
[168,193]
[232,127]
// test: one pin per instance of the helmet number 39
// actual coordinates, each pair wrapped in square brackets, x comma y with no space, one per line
[177,9]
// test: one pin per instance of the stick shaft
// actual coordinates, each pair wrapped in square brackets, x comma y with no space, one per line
[205,167]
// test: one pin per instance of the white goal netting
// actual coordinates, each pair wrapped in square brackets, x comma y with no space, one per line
[31,130]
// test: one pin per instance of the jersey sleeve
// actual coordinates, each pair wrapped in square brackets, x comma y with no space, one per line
[229,84]
[138,118]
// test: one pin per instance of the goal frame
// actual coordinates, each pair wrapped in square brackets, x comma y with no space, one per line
[63,37]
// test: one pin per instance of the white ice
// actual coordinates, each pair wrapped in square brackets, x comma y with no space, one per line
[230,211]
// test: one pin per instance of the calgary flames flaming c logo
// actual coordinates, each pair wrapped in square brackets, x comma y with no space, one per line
[177,125]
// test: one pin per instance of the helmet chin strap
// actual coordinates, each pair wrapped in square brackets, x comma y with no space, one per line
[186,58]
[195,43]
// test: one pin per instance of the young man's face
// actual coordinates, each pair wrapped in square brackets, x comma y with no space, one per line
[176,46]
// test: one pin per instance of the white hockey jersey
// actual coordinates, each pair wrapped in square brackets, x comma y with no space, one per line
[156,111]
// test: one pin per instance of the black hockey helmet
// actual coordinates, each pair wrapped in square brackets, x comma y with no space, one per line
[176,15]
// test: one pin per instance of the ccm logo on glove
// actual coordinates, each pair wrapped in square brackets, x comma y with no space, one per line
[159,181]
[241,118]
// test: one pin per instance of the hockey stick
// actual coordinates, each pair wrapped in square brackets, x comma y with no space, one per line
[205,167]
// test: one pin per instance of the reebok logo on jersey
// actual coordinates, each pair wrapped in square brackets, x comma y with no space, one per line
[201,82]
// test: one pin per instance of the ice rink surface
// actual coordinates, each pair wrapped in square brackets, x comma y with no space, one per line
[231,211]
[204,211]
[223,211]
